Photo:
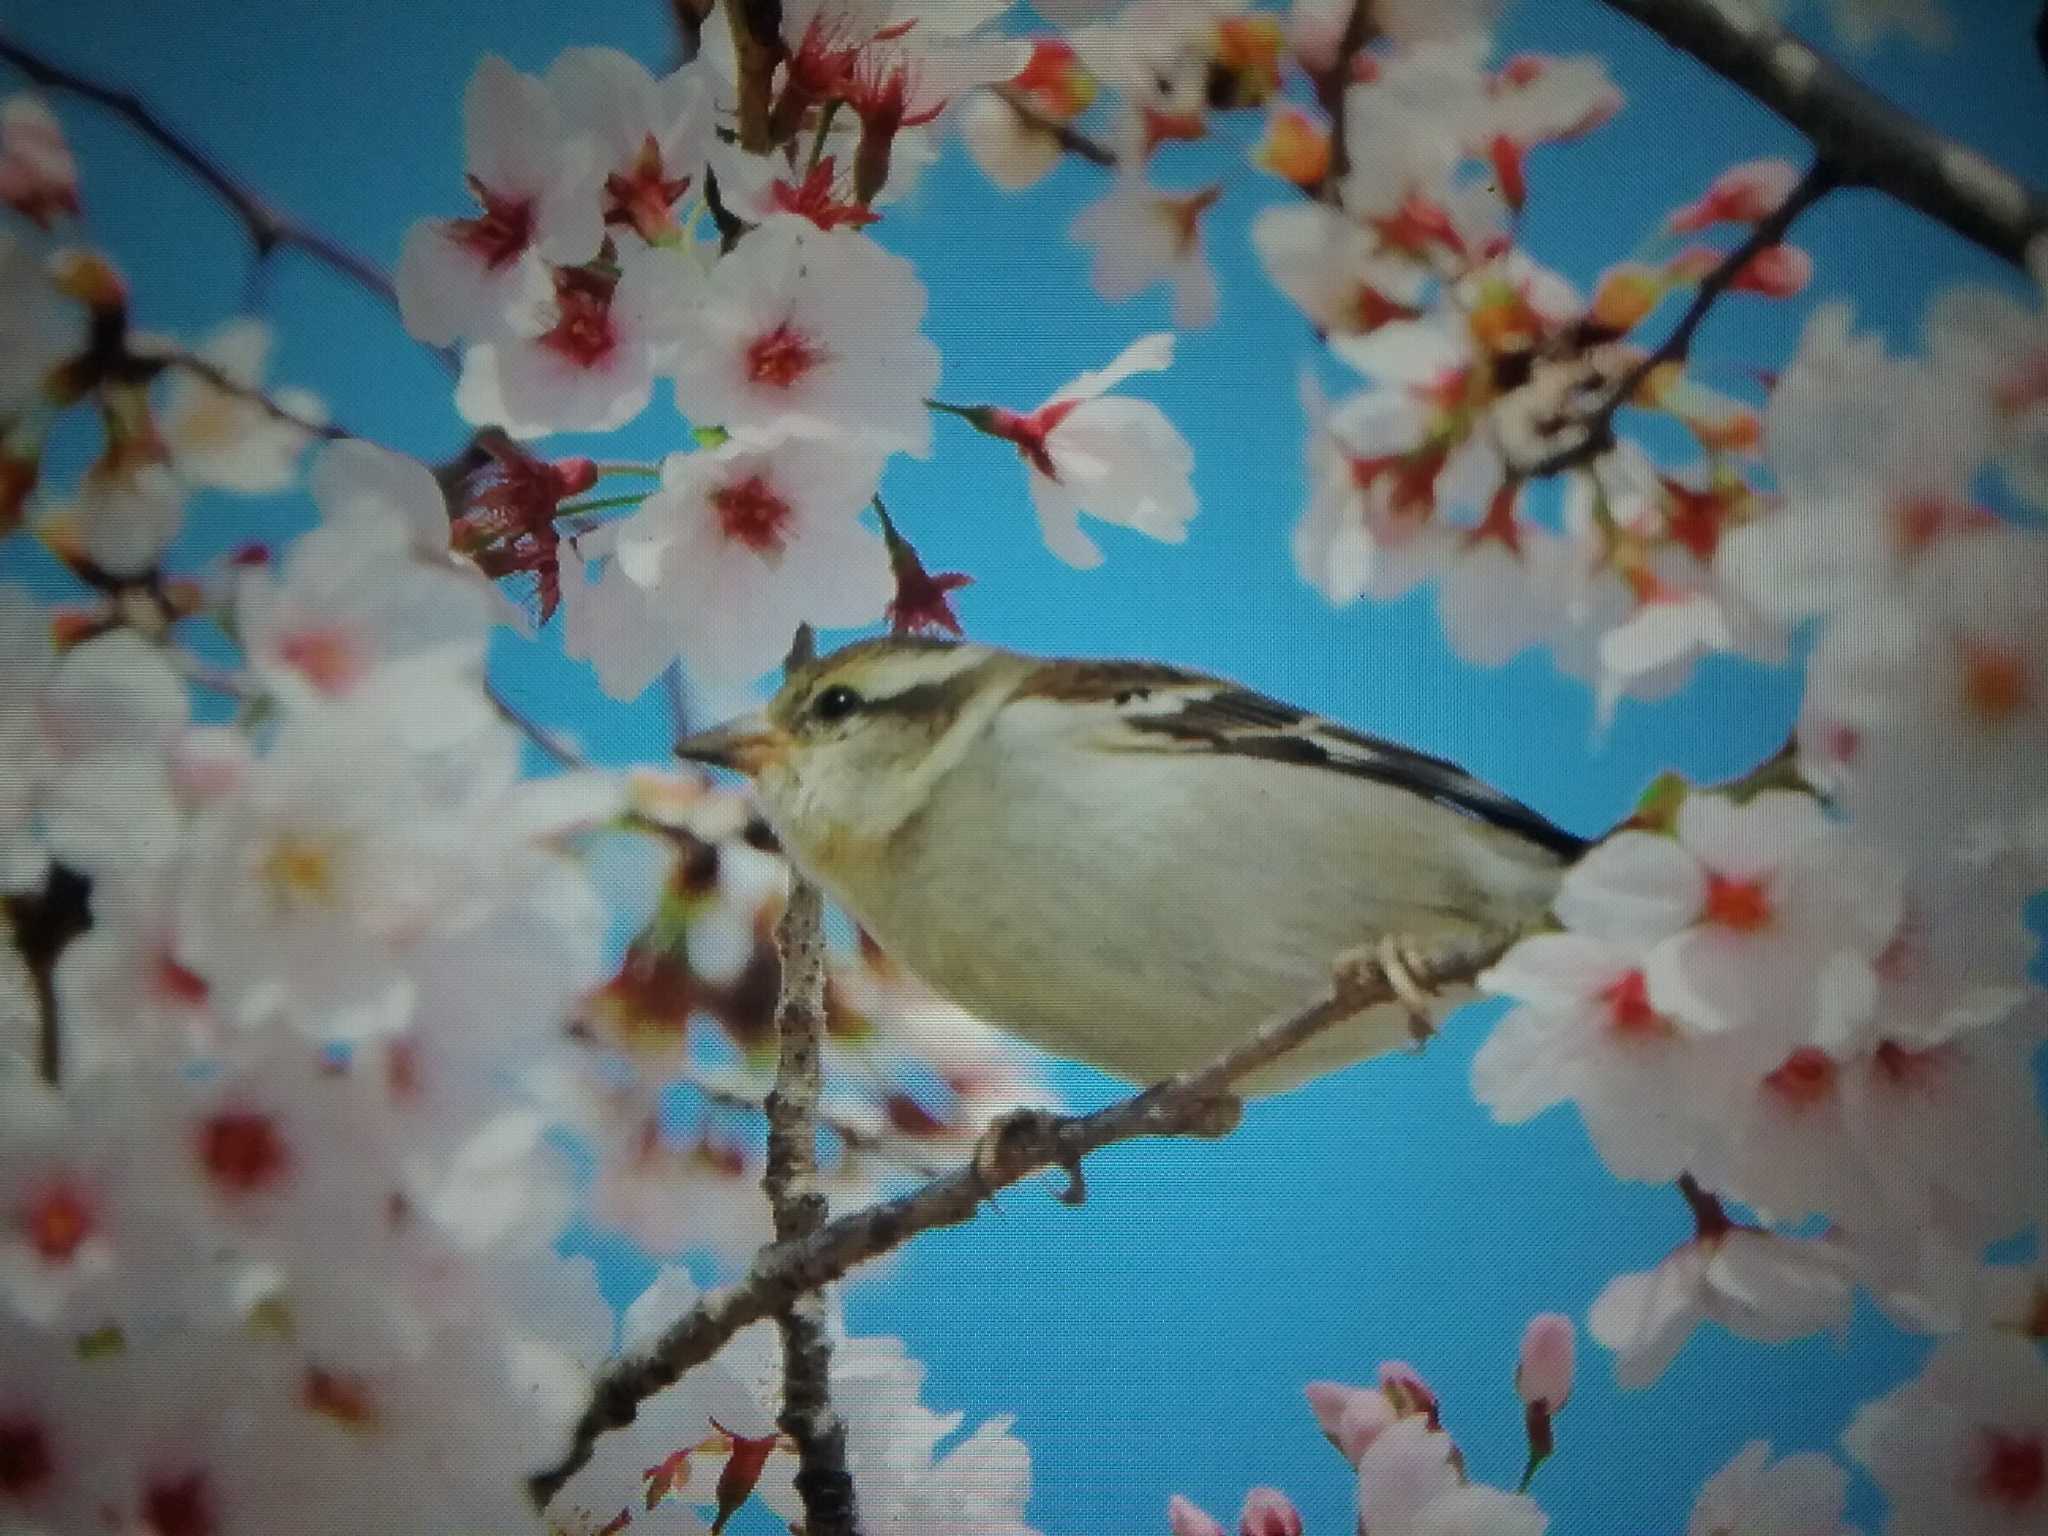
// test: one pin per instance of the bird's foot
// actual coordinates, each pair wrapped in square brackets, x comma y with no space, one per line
[1021,1140]
[1396,960]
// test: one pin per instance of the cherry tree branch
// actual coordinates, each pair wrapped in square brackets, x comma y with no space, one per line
[1868,140]
[798,1207]
[1330,87]
[1820,179]
[1069,138]
[269,226]
[1196,1103]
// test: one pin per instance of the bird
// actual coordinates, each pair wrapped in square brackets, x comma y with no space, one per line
[1129,864]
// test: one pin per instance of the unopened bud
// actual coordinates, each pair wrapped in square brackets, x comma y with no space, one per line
[1184,1518]
[1549,1350]
[1268,1512]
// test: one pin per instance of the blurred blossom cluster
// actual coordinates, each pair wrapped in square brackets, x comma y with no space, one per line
[330,1020]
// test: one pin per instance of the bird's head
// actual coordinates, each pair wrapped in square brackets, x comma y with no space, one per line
[850,746]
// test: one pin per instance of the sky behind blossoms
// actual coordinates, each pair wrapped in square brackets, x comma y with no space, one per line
[1352,1221]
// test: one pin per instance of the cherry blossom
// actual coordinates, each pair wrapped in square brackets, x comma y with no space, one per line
[220,439]
[1268,1512]
[809,334]
[1366,529]
[1142,235]
[38,176]
[1873,457]
[1964,1445]
[127,999]
[1184,1518]
[127,508]
[583,358]
[1011,152]
[1334,270]
[1787,914]
[650,137]
[741,544]
[54,1188]
[1118,459]
[1926,713]
[1753,1283]
[461,278]
[1799,1495]
[1410,1484]
[1543,1374]
[40,327]
[1998,349]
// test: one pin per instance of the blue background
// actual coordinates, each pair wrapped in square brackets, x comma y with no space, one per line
[1157,1339]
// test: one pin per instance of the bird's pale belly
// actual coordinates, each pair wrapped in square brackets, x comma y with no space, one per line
[1127,949]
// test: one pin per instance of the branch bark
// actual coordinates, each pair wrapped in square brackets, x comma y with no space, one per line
[1820,179]
[269,226]
[1196,1103]
[1868,140]
[798,1206]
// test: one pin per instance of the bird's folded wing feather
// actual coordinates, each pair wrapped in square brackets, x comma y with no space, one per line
[1158,709]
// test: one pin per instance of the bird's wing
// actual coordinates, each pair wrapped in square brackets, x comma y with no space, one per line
[1153,708]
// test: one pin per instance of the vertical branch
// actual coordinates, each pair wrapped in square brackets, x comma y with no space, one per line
[42,923]
[798,1204]
[1330,86]
[757,45]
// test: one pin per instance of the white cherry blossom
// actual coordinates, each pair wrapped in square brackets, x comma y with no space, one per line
[225,440]
[1142,235]
[741,544]
[1756,1284]
[1366,530]
[461,278]
[1411,1483]
[39,326]
[1798,1495]
[1997,348]
[1964,1445]
[1116,458]
[1333,269]
[811,334]
[649,137]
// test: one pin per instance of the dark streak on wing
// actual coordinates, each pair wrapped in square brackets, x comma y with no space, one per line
[1225,718]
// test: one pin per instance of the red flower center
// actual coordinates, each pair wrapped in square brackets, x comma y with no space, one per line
[583,331]
[177,983]
[58,1221]
[1743,905]
[327,656]
[339,1396]
[1995,683]
[2014,1469]
[178,1506]
[1629,1013]
[25,1460]
[750,513]
[780,358]
[642,196]
[243,1151]
[1904,1067]
[1804,1078]
[500,232]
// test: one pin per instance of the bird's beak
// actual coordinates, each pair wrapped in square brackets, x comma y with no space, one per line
[748,744]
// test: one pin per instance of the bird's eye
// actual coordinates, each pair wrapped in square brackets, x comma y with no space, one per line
[836,703]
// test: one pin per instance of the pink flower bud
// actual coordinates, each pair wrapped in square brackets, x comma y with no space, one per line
[1544,1374]
[1742,194]
[1351,1417]
[1410,1395]
[1186,1519]
[1269,1512]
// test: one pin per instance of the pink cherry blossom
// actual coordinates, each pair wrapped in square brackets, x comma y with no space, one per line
[1742,194]
[1333,269]
[462,278]
[1118,459]
[741,544]
[1753,1283]
[1800,1495]
[1543,1374]
[1142,235]
[811,334]
[39,327]
[1186,1519]
[1366,529]
[1268,1512]
[1964,1445]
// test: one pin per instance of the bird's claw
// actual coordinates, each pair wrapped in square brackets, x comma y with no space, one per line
[1395,959]
[1011,1138]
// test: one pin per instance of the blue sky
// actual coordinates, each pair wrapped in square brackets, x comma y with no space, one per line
[1157,1339]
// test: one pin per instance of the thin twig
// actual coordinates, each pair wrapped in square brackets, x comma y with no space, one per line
[1331,86]
[1867,139]
[1070,138]
[217,378]
[1820,179]
[1196,1103]
[855,1137]
[798,1205]
[269,226]
[556,747]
